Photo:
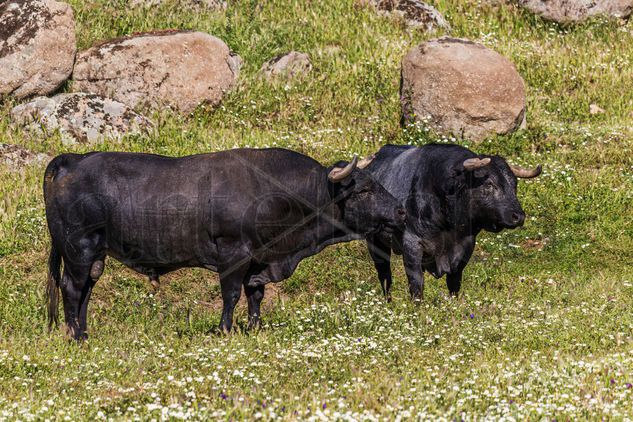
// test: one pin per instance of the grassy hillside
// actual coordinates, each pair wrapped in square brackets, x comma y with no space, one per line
[543,327]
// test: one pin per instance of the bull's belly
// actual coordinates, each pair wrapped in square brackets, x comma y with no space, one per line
[149,249]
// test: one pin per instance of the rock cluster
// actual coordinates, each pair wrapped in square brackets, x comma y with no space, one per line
[38,53]
[454,86]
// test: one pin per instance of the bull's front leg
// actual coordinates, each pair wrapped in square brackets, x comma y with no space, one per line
[412,258]
[381,255]
[255,295]
[454,282]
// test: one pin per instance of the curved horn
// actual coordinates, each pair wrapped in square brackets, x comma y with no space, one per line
[339,173]
[366,161]
[526,173]
[475,163]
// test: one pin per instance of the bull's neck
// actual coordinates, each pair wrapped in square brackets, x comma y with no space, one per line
[453,215]
[331,228]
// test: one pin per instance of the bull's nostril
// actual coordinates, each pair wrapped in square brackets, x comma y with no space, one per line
[401,212]
[517,217]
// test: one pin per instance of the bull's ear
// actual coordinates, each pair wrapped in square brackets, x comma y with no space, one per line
[473,164]
[337,174]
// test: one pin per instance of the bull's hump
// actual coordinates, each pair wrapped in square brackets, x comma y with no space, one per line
[395,168]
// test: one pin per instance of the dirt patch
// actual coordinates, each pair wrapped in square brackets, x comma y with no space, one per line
[536,244]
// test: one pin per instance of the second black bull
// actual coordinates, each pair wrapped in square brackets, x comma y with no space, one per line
[250,215]
[450,195]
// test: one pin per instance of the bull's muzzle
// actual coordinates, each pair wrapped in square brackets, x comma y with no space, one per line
[514,219]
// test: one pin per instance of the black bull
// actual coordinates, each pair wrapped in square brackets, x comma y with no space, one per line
[450,195]
[250,215]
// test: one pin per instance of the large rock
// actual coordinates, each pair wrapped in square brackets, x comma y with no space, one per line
[80,117]
[458,87]
[37,46]
[173,68]
[17,157]
[415,13]
[287,66]
[565,11]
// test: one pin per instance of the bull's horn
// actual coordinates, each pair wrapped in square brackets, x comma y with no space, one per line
[526,173]
[365,161]
[475,163]
[339,173]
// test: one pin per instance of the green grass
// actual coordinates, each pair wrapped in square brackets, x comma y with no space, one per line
[543,328]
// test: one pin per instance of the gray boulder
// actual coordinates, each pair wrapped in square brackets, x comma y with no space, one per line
[565,11]
[287,66]
[80,117]
[415,13]
[37,46]
[17,157]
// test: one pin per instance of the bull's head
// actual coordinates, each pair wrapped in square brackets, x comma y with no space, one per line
[365,204]
[491,188]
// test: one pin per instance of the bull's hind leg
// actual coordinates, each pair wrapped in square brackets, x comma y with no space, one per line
[96,270]
[381,255]
[76,288]
[81,272]
[254,296]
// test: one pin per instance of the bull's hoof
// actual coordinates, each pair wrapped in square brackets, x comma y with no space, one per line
[254,326]
[75,334]
[220,331]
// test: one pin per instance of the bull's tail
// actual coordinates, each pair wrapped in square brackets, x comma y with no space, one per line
[52,287]
[54,259]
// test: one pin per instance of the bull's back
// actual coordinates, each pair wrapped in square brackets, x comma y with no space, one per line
[138,178]
[399,167]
